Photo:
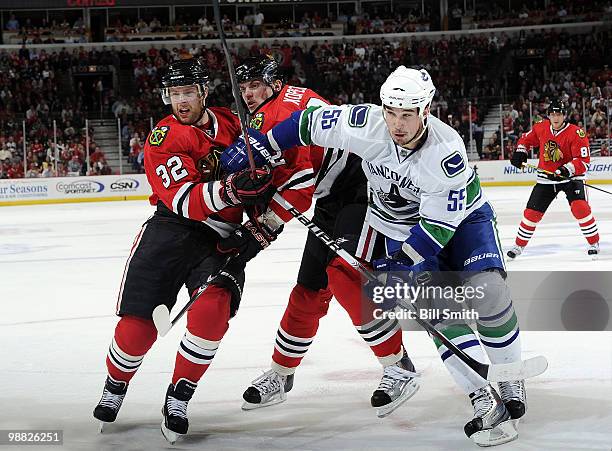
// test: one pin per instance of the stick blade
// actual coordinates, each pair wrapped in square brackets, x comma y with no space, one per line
[161,319]
[523,369]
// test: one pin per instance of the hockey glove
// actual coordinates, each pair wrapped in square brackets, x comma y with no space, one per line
[560,174]
[235,157]
[247,241]
[394,276]
[246,188]
[519,157]
[564,172]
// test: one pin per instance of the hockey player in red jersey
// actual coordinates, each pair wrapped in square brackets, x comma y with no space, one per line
[564,152]
[195,210]
[340,211]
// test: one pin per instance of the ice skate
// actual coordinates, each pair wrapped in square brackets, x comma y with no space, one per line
[398,384]
[175,423]
[491,424]
[112,397]
[268,389]
[593,251]
[515,252]
[514,397]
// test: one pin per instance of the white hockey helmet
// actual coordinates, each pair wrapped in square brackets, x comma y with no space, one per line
[408,88]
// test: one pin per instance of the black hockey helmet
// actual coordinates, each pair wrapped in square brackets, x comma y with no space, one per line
[184,73]
[262,67]
[557,106]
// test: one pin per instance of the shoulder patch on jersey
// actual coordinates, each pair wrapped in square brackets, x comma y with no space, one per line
[359,116]
[257,121]
[158,135]
[453,165]
[538,119]
[315,101]
[581,133]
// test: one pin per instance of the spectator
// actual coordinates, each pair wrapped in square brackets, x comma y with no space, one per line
[598,118]
[97,155]
[258,21]
[32,171]
[5,154]
[47,170]
[12,24]
[74,166]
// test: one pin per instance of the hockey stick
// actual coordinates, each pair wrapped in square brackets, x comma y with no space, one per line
[161,314]
[235,90]
[494,373]
[544,171]
[523,369]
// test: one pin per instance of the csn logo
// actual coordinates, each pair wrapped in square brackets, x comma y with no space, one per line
[125,185]
[80,187]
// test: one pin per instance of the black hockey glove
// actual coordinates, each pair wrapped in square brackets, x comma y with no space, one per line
[518,158]
[560,174]
[563,171]
[248,240]
[242,188]
[391,276]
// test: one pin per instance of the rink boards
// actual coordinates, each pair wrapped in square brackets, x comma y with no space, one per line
[136,187]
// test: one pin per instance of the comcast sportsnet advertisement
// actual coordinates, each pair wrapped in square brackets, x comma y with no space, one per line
[73,189]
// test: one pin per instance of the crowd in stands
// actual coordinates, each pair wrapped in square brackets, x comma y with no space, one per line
[45,32]
[253,24]
[29,92]
[574,71]
[465,71]
[492,15]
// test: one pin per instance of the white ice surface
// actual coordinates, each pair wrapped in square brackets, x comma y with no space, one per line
[60,268]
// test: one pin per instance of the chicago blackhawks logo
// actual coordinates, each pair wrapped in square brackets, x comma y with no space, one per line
[552,152]
[257,121]
[581,133]
[158,135]
[209,166]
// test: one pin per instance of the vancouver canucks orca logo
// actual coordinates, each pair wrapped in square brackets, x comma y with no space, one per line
[393,200]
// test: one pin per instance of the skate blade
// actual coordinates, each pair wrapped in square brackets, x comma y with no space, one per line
[252,406]
[594,256]
[169,435]
[504,432]
[411,389]
[102,426]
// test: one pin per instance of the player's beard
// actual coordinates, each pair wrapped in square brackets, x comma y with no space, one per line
[407,139]
[188,115]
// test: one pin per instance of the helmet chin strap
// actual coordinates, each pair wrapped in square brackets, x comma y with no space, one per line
[202,111]
[418,136]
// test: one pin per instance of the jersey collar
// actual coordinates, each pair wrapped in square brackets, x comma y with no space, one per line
[215,125]
[403,154]
[558,132]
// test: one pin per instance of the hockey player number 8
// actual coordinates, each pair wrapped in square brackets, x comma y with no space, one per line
[176,170]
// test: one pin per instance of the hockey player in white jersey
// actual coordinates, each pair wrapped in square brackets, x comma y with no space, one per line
[427,211]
